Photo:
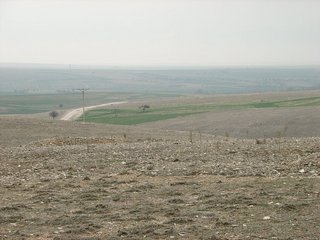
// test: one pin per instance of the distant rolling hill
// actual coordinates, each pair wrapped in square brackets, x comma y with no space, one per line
[35,79]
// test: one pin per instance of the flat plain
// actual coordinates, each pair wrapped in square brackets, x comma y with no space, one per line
[69,180]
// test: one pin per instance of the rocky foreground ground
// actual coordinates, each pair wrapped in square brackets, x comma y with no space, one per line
[132,183]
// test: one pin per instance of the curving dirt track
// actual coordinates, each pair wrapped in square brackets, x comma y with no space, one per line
[76,113]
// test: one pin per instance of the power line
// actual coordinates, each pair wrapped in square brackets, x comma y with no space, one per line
[83,111]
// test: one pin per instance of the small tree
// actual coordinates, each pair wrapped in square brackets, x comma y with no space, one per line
[53,114]
[144,107]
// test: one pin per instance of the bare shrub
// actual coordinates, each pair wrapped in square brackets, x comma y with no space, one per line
[53,114]
[144,107]
[259,141]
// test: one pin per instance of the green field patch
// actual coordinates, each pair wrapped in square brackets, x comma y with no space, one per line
[137,116]
[132,117]
[304,102]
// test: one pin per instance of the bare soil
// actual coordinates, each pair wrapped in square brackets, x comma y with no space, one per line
[247,123]
[67,180]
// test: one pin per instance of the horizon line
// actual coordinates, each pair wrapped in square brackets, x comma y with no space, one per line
[76,66]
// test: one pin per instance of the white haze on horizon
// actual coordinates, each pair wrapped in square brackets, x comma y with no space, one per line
[160,32]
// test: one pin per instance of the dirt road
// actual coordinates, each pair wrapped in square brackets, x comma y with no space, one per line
[76,113]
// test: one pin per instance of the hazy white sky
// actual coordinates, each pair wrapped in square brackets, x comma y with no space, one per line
[160,32]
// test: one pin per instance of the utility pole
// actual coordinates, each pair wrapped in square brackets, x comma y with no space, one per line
[82,91]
